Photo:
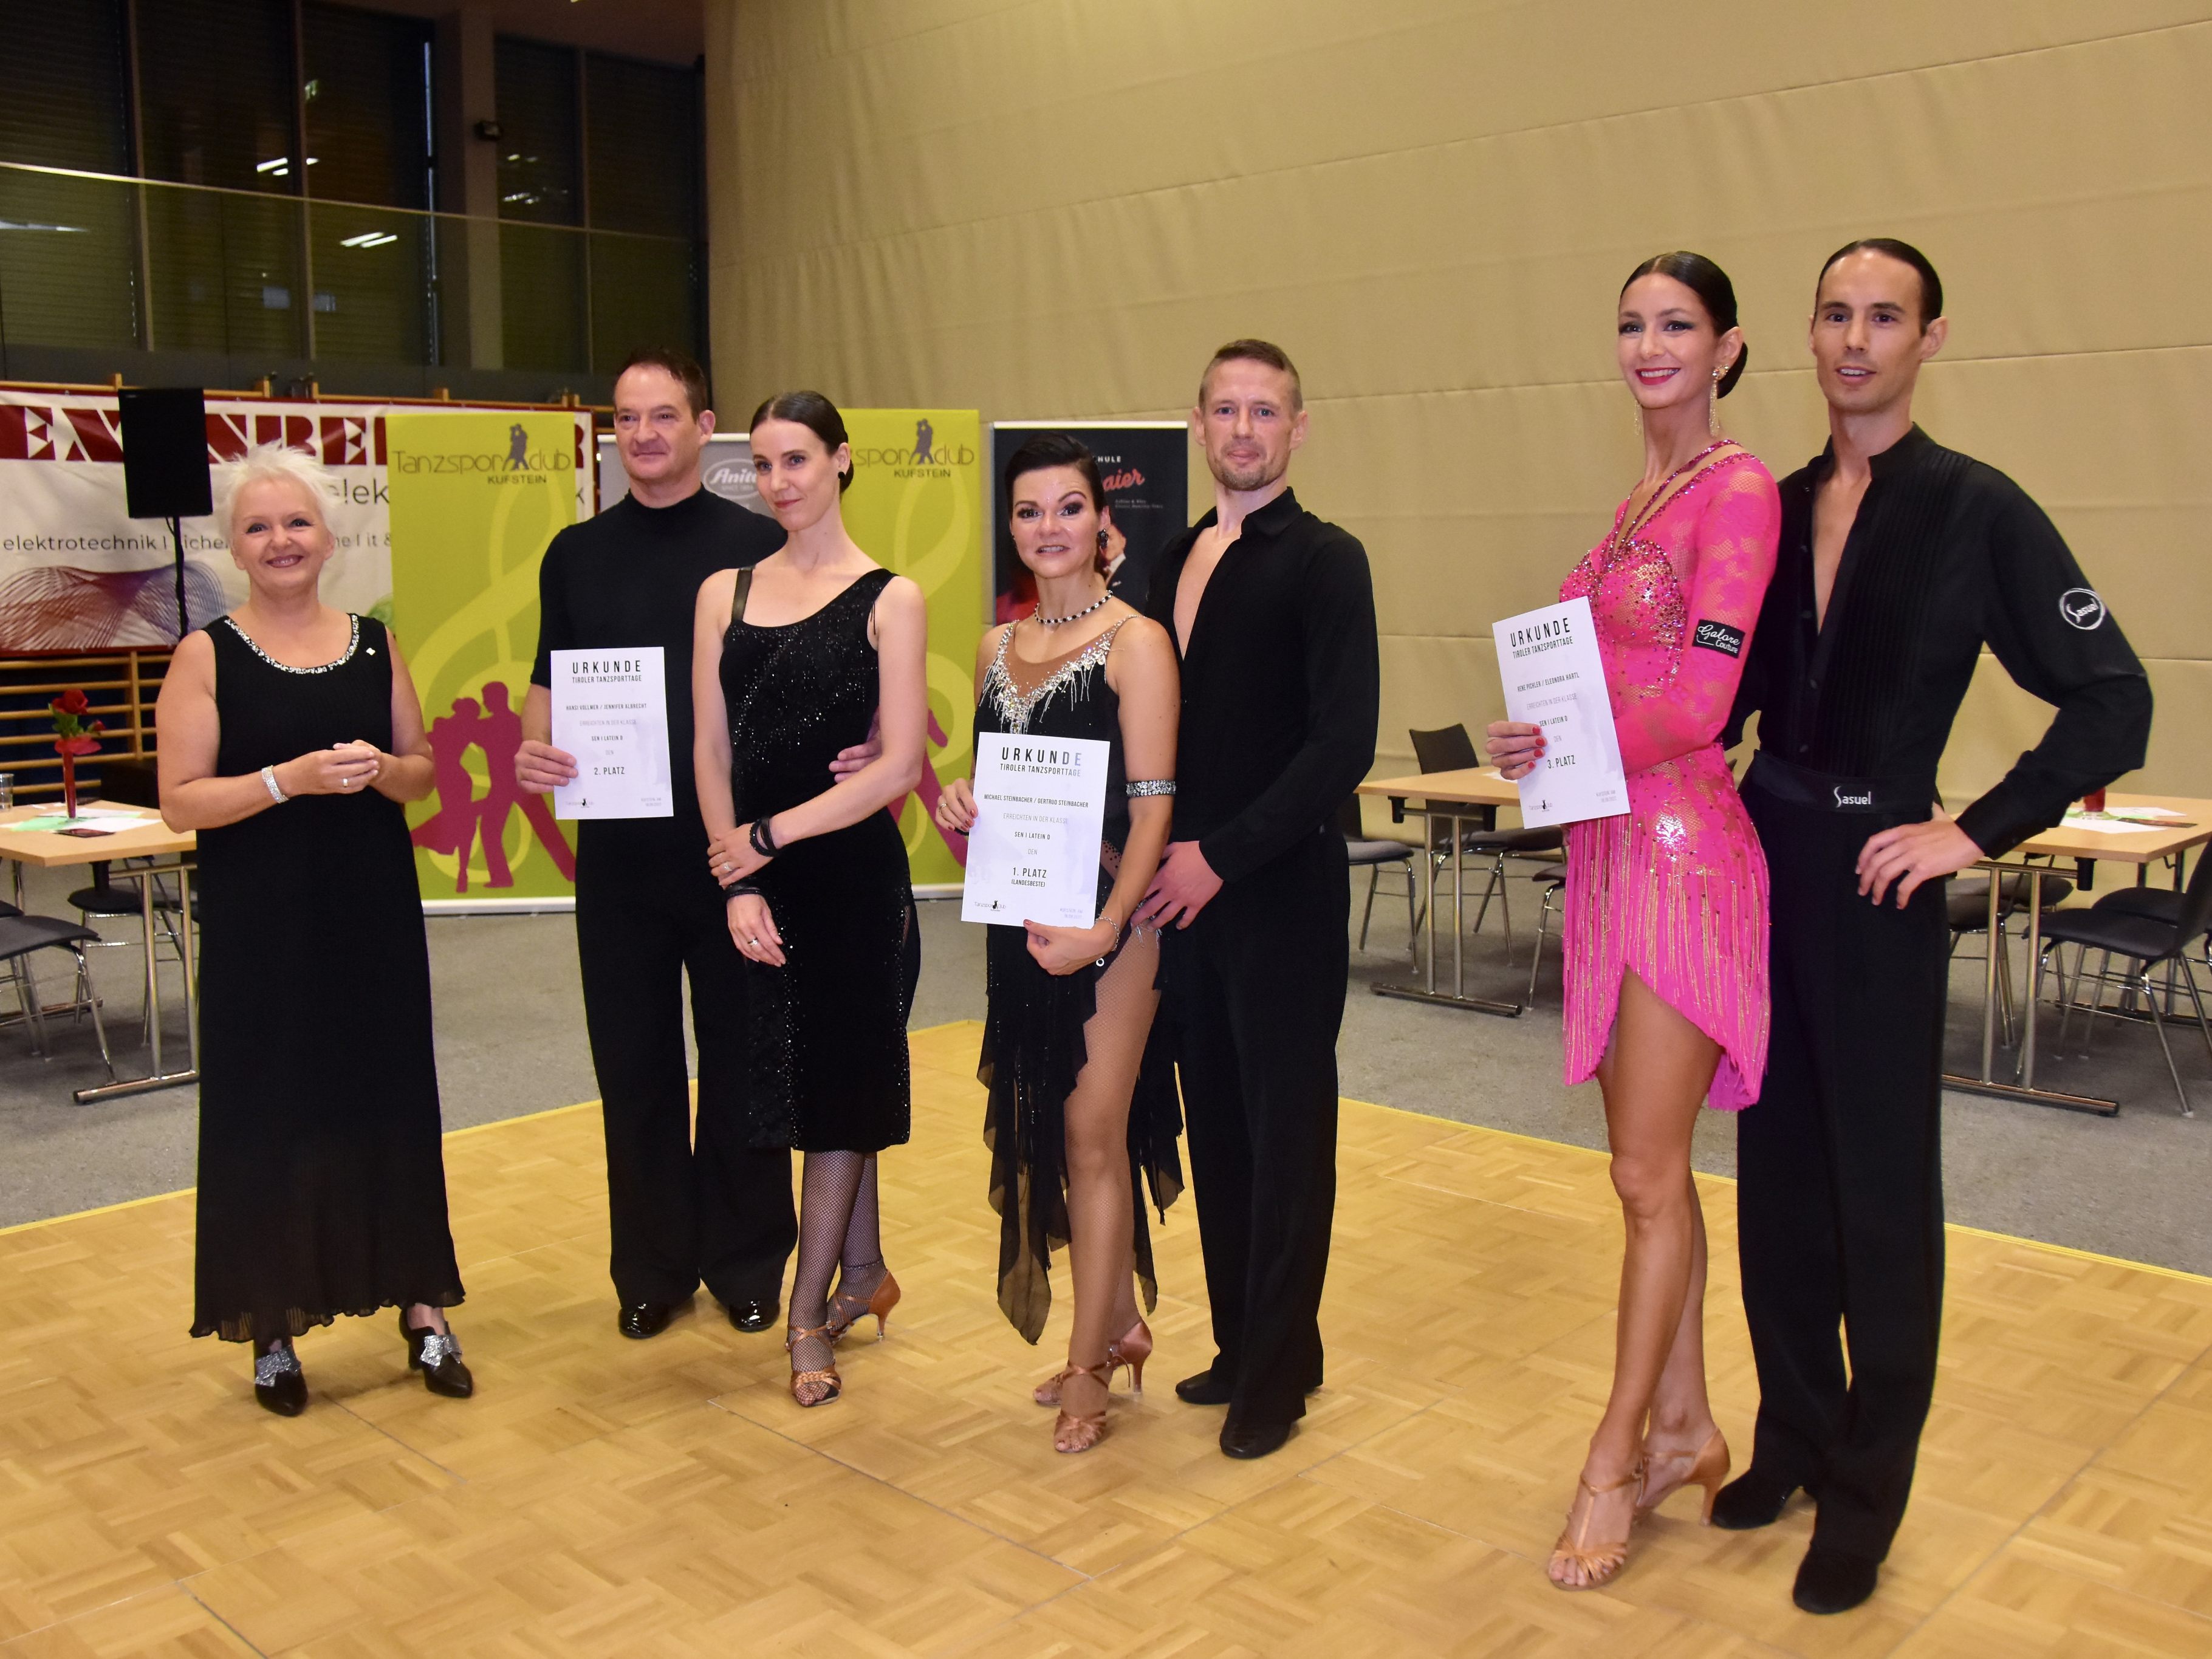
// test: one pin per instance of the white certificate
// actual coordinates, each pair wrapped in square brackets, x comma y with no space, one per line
[1033,850]
[610,712]
[1554,678]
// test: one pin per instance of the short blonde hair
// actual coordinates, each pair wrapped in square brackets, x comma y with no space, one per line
[271,464]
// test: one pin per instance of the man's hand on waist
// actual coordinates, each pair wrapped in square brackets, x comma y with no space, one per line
[1184,885]
[1912,854]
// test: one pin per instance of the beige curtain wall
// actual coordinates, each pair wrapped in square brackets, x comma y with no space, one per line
[1058,208]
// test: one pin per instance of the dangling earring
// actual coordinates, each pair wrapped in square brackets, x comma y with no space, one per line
[1713,405]
[1102,541]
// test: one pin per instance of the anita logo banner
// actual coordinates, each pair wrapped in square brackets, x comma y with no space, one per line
[916,506]
[475,500]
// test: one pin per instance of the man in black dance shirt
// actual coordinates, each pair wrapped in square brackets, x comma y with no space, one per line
[648,910]
[1898,560]
[1274,615]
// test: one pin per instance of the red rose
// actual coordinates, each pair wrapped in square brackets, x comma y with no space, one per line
[71,701]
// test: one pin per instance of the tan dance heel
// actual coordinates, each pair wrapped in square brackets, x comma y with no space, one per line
[1601,1559]
[1130,1350]
[880,1302]
[793,1336]
[1074,1433]
[1707,1467]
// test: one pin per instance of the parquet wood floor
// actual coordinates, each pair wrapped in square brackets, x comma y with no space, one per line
[601,1496]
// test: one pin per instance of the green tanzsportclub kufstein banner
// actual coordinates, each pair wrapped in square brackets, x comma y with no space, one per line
[475,498]
[916,506]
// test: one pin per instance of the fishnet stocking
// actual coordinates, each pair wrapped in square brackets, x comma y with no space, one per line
[829,1188]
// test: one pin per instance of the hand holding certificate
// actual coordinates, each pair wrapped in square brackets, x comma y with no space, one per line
[610,712]
[1033,850]
[1554,678]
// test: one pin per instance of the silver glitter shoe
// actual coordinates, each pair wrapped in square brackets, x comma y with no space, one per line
[437,1355]
[279,1384]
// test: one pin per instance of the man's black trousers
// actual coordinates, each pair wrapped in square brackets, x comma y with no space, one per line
[1257,988]
[1840,1201]
[680,1211]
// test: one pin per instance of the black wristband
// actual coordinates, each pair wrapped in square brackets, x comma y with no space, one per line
[763,839]
[741,889]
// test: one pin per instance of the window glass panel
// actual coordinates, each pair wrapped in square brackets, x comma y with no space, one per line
[214,85]
[542,297]
[642,129]
[64,87]
[69,260]
[371,284]
[226,272]
[369,107]
[644,293]
[539,178]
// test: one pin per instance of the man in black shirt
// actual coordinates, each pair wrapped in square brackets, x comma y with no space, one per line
[647,911]
[1273,613]
[1898,560]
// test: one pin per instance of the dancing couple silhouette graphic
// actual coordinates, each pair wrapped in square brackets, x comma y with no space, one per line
[463,819]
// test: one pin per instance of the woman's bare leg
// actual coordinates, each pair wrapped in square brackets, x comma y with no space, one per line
[1100,1217]
[1655,1075]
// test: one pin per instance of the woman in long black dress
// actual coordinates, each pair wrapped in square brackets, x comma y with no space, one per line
[290,736]
[821,643]
[1077,1108]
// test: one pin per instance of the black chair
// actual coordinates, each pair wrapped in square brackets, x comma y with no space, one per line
[2145,942]
[1553,879]
[1450,750]
[1967,899]
[1374,855]
[19,935]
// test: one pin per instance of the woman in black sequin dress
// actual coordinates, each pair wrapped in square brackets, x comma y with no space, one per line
[290,736]
[823,643]
[1083,1104]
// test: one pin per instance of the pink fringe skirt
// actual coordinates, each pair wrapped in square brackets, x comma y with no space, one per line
[1674,890]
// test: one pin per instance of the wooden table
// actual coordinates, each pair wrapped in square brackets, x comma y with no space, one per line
[49,849]
[1451,798]
[2141,848]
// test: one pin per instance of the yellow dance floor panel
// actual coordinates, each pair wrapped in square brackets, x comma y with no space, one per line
[605,1497]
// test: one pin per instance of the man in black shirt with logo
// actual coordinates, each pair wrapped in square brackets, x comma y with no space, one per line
[647,911]
[1898,560]
[1272,612]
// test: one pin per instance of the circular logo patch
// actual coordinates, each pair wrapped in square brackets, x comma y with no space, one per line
[2082,609]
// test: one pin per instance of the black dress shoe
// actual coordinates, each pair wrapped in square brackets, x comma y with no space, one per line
[279,1384]
[752,1316]
[640,1320]
[1253,1439]
[437,1355]
[1208,1388]
[1832,1580]
[1752,1499]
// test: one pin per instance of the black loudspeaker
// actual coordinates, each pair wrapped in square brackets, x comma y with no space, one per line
[165,465]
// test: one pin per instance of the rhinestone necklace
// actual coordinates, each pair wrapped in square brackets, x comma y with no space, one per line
[1044,621]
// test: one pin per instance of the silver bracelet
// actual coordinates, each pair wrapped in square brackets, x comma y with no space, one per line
[269,777]
[1149,786]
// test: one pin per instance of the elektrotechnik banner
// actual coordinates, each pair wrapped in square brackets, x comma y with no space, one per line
[474,500]
[1145,467]
[77,573]
[916,506]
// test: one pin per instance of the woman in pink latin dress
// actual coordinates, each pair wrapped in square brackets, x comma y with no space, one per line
[1666,905]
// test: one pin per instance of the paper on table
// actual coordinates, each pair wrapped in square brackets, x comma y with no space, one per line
[1033,850]
[2103,824]
[610,712]
[1554,678]
[85,821]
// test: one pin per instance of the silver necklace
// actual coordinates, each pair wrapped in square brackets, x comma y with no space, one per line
[1044,621]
